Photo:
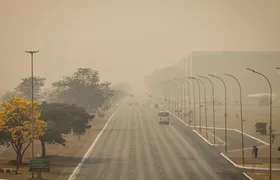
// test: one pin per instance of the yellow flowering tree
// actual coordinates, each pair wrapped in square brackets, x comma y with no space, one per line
[15,124]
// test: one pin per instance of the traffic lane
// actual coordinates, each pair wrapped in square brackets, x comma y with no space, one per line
[213,162]
[111,151]
[199,156]
[135,146]
[234,139]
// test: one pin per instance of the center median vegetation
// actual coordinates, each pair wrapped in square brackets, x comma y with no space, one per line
[64,111]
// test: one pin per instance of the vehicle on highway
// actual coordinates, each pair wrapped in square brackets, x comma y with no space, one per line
[163,117]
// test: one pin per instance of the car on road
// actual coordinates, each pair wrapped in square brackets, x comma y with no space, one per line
[163,117]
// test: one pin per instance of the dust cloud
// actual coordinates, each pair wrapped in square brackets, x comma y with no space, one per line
[126,39]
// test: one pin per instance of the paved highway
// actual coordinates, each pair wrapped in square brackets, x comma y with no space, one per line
[135,147]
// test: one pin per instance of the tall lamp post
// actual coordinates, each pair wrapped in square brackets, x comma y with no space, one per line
[173,97]
[205,106]
[163,90]
[213,101]
[183,97]
[199,102]
[169,83]
[32,107]
[189,98]
[194,119]
[241,115]
[182,89]
[177,84]
[225,108]
[270,119]
[179,97]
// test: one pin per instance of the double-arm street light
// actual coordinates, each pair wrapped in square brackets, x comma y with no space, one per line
[32,107]
[189,94]
[225,108]
[213,99]
[270,119]
[205,106]
[194,119]
[241,115]
[199,101]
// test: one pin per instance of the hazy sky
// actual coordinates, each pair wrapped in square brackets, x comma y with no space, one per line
[126,39]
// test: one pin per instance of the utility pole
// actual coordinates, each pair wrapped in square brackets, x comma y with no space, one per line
[32,106]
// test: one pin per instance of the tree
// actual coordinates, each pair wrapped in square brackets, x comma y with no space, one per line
[62,119]
[24,89]
[15,122]
[120,91]
[84,89]
[8,95]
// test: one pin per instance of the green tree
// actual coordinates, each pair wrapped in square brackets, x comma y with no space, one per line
[24,89]
[84,89]
[62,119]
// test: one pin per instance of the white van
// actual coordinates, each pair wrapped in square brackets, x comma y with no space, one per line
[163,117]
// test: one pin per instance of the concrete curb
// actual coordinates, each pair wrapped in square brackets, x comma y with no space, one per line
[247,176]
[248,167]
[222,154]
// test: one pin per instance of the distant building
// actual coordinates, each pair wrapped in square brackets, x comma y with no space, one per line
[235,63]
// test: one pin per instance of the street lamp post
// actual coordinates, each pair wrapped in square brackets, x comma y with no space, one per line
[199,101]
[169,83]
[270,119]
[173,97]
[213,101]
[241,116]
[179,97]
[32,107]
[183,99]
[189,92]
[225,108]
[205,106]
[163,91]
[194,119]
[176,105]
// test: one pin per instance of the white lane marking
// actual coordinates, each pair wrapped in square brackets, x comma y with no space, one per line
[247,167]
[219,128]
[231,129]
[247,176]
[176,117]
[234,150]
[253,137]
[238,166]
[223,142]
[77,169]
[205,139]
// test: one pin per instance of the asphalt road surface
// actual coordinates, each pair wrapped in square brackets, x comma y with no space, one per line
[134,146]
[234,139]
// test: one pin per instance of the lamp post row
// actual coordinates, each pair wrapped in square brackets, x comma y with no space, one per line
[184,80]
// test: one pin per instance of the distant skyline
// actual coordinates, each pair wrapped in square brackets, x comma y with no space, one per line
[125,40]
